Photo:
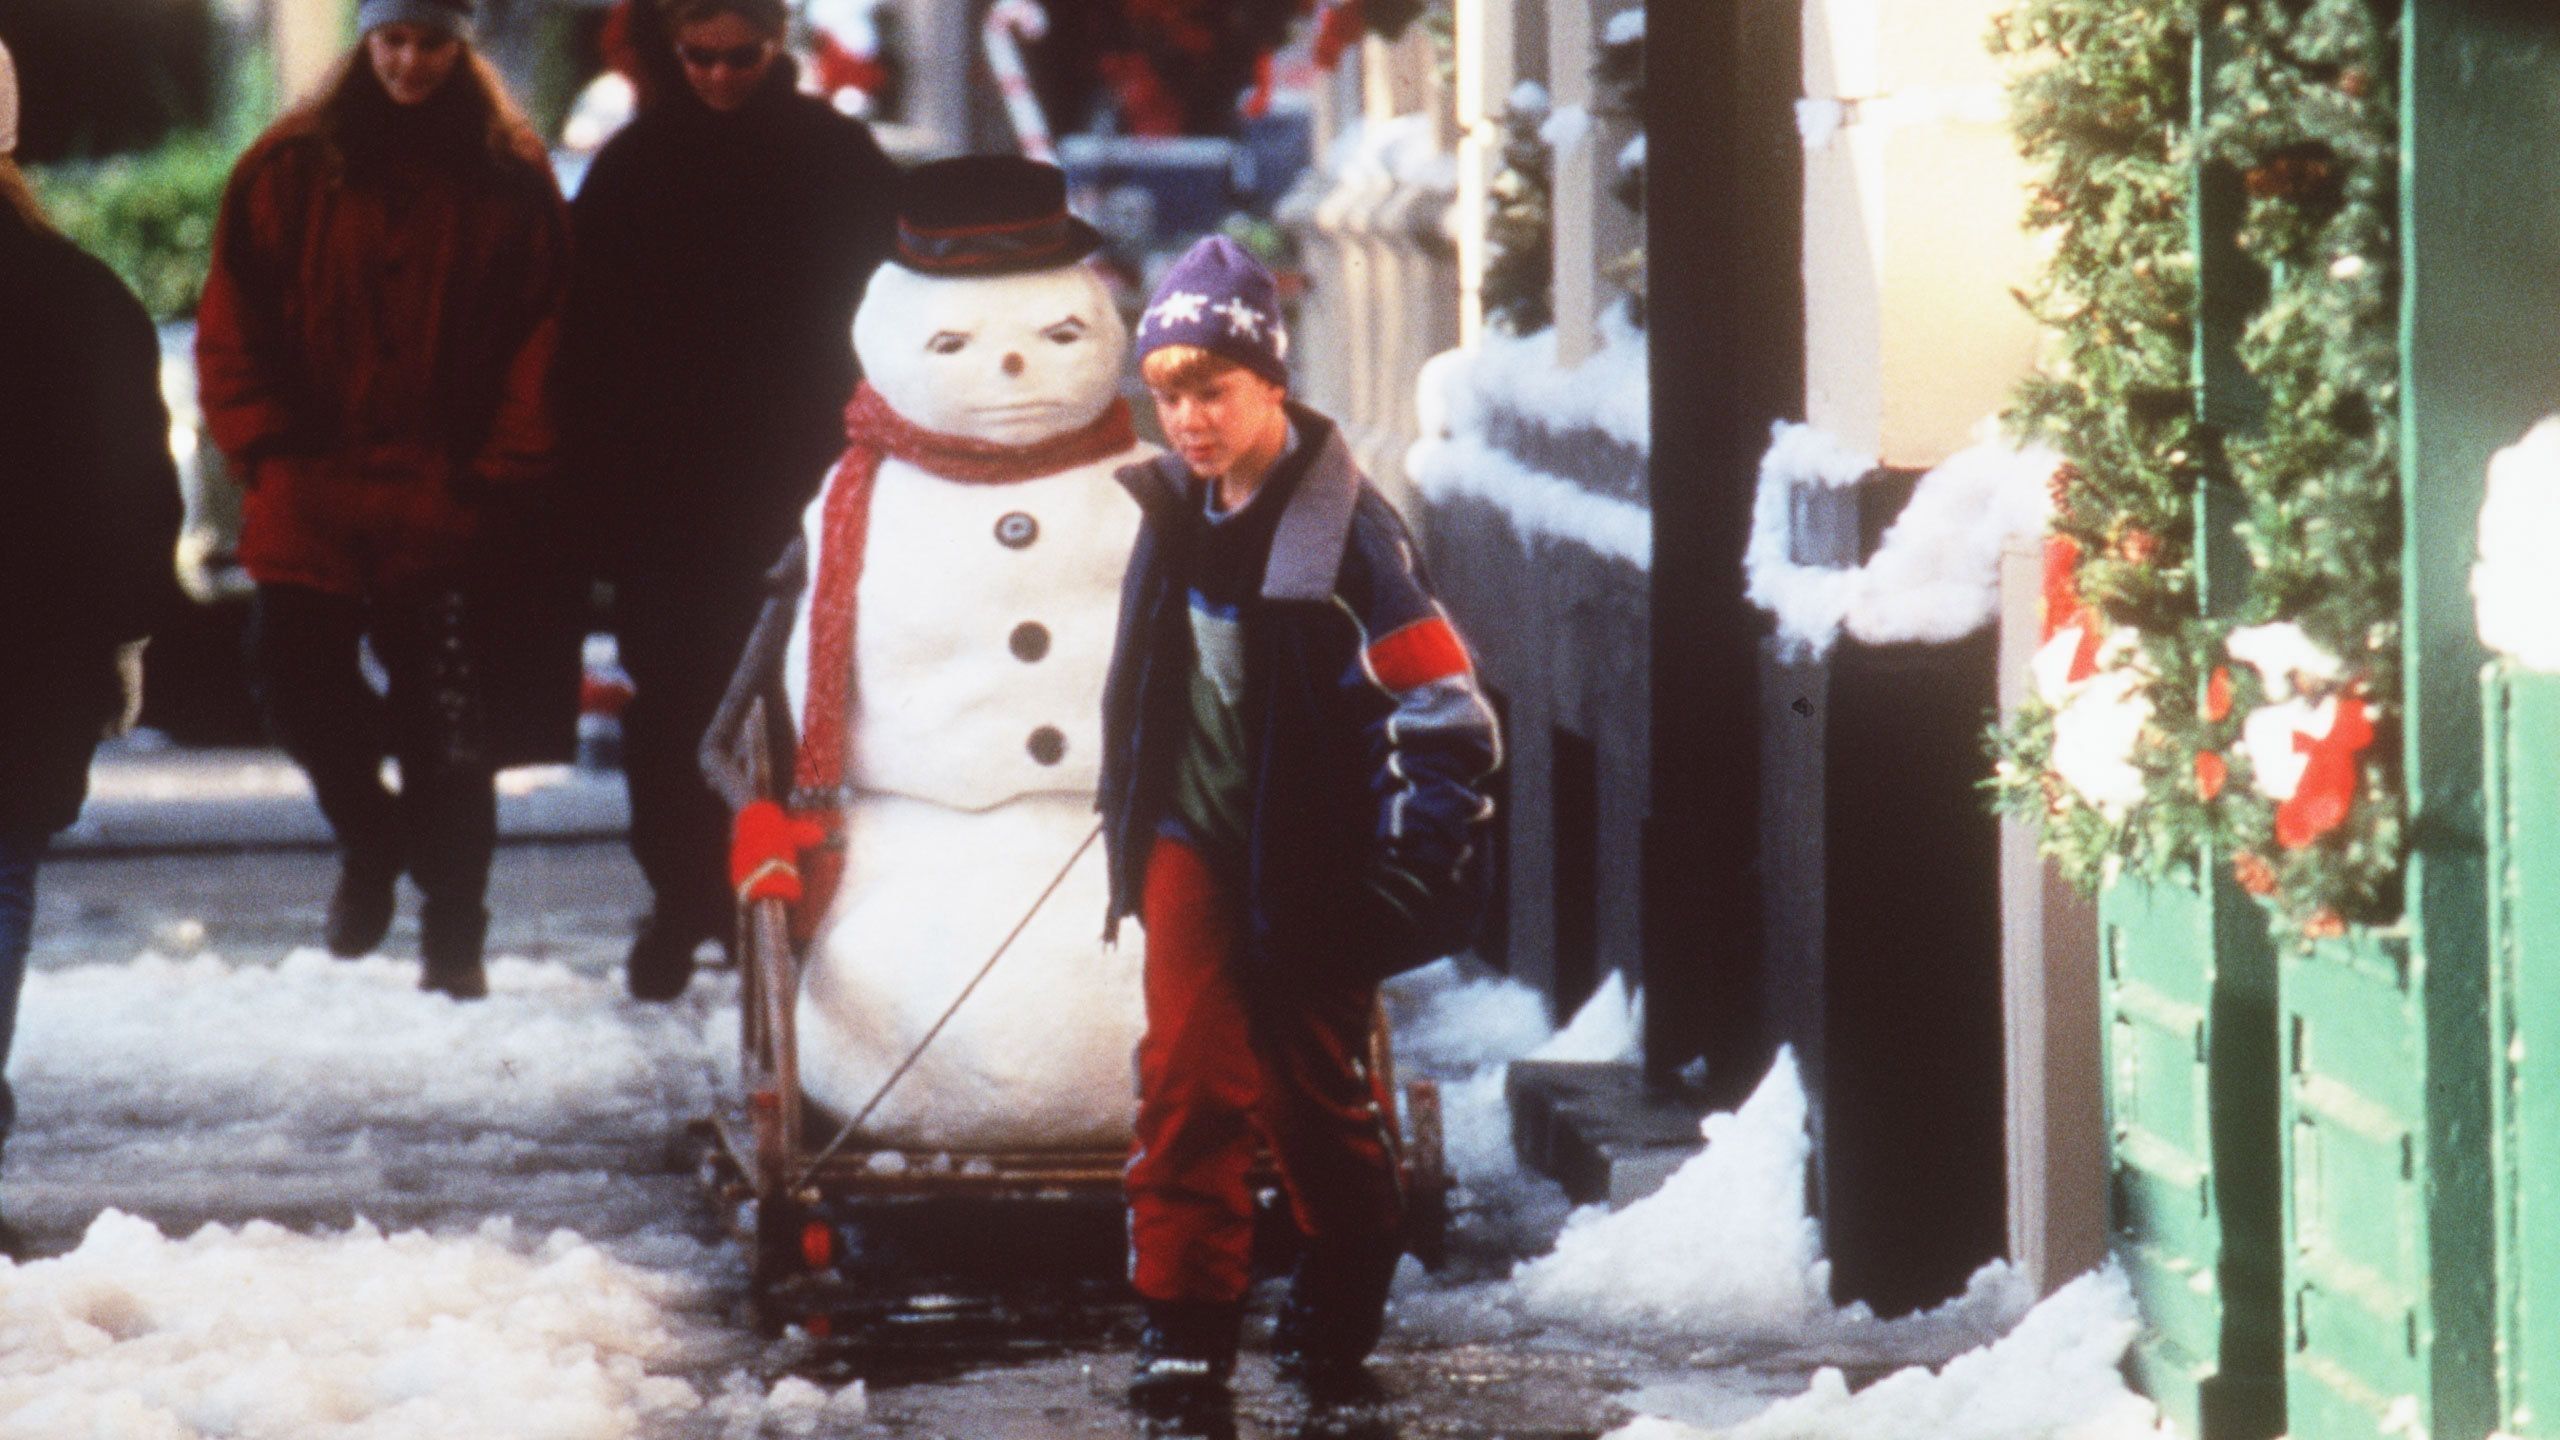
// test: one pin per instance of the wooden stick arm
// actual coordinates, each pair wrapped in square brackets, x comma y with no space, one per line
[723,755]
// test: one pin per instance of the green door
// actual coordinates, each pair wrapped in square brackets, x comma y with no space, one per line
[2524,849]
[2190,1040]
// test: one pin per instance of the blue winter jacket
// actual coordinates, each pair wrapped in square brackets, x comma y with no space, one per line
[1369,739]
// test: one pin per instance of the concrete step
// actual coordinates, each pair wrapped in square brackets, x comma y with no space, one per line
[1592,1127]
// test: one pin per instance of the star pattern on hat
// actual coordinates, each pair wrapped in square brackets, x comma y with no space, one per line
[1182,307]
[1242,319]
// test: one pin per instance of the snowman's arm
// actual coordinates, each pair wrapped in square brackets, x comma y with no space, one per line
[759,676]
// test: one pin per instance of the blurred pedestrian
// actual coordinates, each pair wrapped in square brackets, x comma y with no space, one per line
[375,347]
[723,240]
[88,533]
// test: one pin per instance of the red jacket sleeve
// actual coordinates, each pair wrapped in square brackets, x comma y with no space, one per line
[245,376]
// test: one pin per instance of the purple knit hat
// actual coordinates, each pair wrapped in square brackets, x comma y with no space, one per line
[1218,298]
[453,17]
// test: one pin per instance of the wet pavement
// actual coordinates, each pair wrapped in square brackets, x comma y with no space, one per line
[961,1321]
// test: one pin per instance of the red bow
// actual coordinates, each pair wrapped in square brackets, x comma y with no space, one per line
[2327,792]
[2062,607]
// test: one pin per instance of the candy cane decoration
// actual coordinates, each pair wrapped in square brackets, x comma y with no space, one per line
[1009,24]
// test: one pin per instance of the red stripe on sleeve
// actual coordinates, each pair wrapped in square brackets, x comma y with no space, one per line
[1424,651]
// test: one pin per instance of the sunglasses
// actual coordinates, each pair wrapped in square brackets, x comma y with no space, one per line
[736,57]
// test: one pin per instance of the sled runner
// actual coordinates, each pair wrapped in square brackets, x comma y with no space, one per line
[795,1167]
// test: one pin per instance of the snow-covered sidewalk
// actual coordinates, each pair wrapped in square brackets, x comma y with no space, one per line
[486,1237]
[1719,1276]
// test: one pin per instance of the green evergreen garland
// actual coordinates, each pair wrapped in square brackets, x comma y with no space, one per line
[2303,110]
[1519,268]
[2101,107]
[2306,109]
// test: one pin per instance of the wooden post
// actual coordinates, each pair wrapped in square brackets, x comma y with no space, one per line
[2049,944]
[1591,227]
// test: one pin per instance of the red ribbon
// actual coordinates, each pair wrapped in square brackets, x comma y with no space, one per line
[2326,794]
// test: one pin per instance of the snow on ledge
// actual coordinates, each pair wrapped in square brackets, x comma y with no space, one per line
[1611,392]
[1935,578]
[1459,391]
[2515,587]
[1541,507]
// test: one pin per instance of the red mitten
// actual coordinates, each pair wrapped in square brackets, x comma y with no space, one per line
[764,852]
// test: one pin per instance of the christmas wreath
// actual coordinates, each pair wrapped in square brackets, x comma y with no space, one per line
[2264,736]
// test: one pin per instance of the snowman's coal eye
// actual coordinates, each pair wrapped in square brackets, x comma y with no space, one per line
[947,342]
[1065,332]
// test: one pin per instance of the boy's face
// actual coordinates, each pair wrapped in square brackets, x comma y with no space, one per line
[1229,415]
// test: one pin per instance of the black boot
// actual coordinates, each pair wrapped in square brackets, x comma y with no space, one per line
[1336,1309]
[360,908]
[450,938]
[1186,1352]
[660,965]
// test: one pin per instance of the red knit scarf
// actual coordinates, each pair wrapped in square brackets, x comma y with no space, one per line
[874,432]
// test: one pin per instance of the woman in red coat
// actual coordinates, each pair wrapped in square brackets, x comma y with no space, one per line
[374,351]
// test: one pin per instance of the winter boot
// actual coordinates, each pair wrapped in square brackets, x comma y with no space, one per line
[1186,1352]
[360,908]
[661,961]
[1336,1309]
[450,938]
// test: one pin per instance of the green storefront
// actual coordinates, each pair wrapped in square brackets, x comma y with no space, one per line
[2336,1142]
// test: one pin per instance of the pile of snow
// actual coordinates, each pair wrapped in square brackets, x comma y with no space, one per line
[313,1089]
[1724,1250]
[1725,1260]
[2515,585]
[1935,577]
[1459,392]
[1465,1031]
[268,1335]
[2055,1377]
[315,1045]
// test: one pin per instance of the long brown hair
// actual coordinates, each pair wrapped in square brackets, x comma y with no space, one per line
[18,199]
[470,116]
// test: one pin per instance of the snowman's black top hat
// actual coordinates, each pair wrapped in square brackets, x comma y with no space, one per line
[989,215]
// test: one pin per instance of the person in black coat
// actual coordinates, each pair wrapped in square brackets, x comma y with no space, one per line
[724,238]
[89,515]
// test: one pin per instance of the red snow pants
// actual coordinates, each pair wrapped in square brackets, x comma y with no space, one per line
[1220,1070]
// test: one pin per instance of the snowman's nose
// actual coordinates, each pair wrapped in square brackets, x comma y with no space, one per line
[1013,364]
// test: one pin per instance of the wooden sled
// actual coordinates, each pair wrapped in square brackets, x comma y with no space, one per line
[785,1168]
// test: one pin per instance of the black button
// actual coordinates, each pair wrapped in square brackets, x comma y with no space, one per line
[1047,745]
[1030,642]
[1016,531]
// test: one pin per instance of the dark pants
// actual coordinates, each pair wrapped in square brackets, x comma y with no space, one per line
[1221,1069]
[442,825]
[19,853]
[680,636]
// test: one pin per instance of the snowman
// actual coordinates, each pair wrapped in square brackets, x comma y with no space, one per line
[946,670]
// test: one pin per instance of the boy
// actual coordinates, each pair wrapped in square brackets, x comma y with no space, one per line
[1295,751]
